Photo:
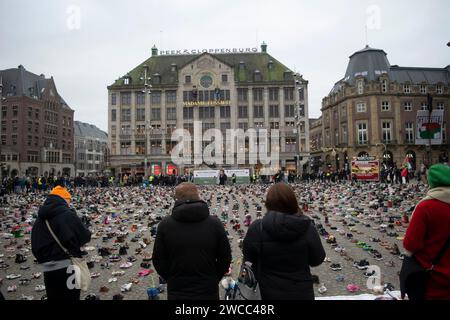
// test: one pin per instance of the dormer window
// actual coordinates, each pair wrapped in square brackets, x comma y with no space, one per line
[257,75]
[173,67]
[270,65]
[241,65]
[406,88]
[360,86]
[439,89]
[423,89]
[126,81]
[156,78]
[384,86]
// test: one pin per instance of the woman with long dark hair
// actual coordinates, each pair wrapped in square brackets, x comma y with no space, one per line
[286,247]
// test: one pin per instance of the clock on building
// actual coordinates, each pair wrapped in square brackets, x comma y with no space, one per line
[206,81]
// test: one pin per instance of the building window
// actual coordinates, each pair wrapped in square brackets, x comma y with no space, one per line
[224,78]
[274,125]
[409,132]
[258,94]
[243,126]
[156,114]
[155,97]
[206,112]
[140,147]
[140,98]
[171,96]
[407,106]
[440,106]
[384,86]
[439,89]
[125,115]
[188,113]
[140,114]
[361,107]
[187,79]
[171,113]
[344,134]
[125,147]
[113,99]
[273,94]
[290,145]
[289,94]
[242,112]
[336,136]
[362,133]
[4,111]
[126,99]
[258,111]
[406,88]
[126,81]
[289,111]
[385,106]
[242,94]
[224,126]
[386,131]
[360,87]
[423,89]
[424,106]
[274,111]
[225,112]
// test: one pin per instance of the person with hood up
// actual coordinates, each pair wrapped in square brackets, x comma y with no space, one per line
[429,230]
[72,234]
[191,252]
[286,248]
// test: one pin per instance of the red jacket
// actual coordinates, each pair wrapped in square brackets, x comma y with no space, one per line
[425,236]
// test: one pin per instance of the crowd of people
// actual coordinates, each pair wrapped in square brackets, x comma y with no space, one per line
[201,236]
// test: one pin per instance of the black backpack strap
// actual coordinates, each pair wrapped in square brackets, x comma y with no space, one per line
[260,249]
[440,253]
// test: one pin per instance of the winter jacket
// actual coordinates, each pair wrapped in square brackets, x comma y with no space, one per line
[290,245]
[191,252]
[426,234]
[66,225]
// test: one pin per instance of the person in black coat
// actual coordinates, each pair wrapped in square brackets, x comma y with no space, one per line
[222,178]
[286,248]
[72,234]
[191,252]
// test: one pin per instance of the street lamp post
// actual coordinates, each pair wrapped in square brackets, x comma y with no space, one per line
[146,91]
[298,84]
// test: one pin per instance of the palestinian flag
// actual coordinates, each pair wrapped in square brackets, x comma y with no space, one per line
[428,130]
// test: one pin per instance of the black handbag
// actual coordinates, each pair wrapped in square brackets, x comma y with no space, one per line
[414,277]
[247,286]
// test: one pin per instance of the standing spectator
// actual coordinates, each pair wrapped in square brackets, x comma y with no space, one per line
[71,233]
[192,252]
[222,178]
[285,248]
[429,230]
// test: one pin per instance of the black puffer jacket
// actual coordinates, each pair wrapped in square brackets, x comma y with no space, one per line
[191,252]
[290,245]
[65,224]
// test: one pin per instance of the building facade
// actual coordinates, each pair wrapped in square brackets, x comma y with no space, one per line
[372,111]
[222,90]
[91,150]
[36,126]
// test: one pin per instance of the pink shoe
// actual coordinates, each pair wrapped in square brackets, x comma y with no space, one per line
[352,288]
[145,272]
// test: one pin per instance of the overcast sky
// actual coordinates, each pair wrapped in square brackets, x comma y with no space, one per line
[312,37]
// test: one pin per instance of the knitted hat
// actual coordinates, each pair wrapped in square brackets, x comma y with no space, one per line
[439,176]
[61,192]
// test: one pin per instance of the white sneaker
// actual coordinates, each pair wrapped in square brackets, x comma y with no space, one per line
[126,287]
[39,288]
[112,280]
[322,289]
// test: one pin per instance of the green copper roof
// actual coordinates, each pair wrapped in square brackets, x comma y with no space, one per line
[253,62]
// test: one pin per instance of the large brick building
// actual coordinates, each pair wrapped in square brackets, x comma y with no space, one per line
[234,90]
[372,110]
[36,126]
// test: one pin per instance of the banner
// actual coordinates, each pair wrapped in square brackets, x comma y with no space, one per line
[211,176]
[429,129]
[366,170]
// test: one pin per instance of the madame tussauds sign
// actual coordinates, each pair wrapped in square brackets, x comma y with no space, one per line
[200,51]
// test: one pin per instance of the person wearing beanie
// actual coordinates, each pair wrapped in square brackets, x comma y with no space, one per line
[429,230]
[70,231]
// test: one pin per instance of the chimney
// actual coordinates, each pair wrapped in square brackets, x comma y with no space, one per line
[154,51]
[264,47]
